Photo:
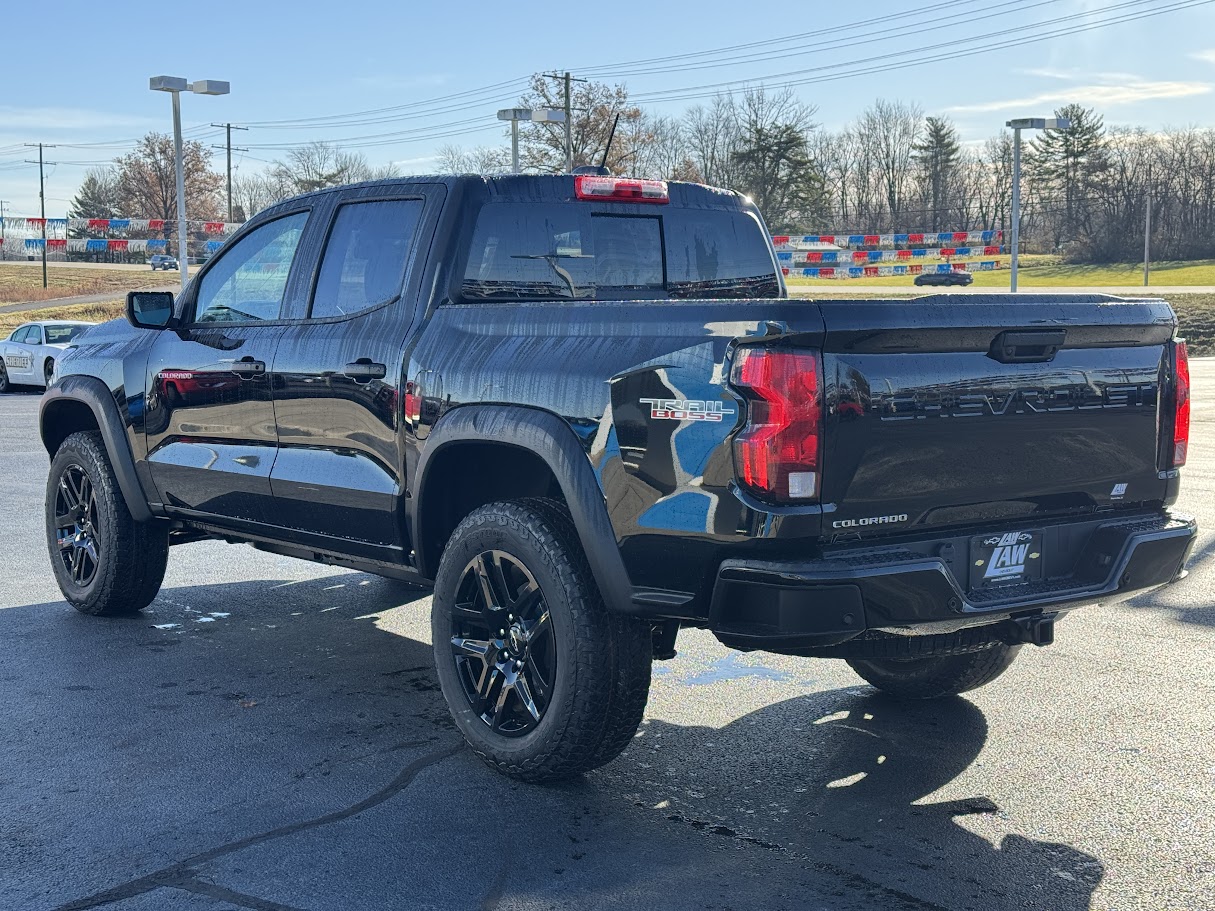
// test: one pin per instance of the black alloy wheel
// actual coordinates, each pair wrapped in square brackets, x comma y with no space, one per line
[76,525]
[503,643]
[48,372]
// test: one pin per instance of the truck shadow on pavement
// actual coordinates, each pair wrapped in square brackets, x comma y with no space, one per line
[277,730]
[844,782]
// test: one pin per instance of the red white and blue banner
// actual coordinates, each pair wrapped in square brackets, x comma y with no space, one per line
[878,271]
[887,241]
[857,257]
[13,223]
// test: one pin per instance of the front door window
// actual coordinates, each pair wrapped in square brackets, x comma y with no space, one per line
[247,283]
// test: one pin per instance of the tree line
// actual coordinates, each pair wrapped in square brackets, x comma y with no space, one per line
[1085,190]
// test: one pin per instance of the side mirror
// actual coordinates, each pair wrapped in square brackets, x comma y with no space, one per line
[149,309]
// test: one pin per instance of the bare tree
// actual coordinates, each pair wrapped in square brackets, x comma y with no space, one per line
[319,165]
[147,180]
[890,131]
[595,108]
[454,159]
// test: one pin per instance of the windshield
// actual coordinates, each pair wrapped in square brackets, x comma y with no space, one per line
[61,335]
[558,251]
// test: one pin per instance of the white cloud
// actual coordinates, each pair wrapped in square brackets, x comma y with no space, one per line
[1096,95]
[1075,74]
[1208,56]
[62,119]
[413,162]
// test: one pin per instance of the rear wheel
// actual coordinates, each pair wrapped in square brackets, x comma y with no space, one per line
[105,562]
[930,678]
[542,681]
[4,385]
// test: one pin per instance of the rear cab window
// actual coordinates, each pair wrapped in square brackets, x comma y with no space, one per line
[575,251]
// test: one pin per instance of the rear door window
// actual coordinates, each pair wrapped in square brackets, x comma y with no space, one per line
[366,256]
[537,251]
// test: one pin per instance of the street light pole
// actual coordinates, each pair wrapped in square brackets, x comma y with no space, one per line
[1016,209]
[1024,123]
[182,246]
[539,115]
[1147,232]
[175,85]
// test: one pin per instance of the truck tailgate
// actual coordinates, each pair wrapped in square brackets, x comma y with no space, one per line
[967,409]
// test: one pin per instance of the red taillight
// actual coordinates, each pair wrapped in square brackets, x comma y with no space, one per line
[1181,399]
[620,189]
[777,454]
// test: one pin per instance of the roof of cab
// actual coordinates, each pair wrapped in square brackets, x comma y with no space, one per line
[532,187]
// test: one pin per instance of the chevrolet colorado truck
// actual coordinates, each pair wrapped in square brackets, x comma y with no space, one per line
[585,410]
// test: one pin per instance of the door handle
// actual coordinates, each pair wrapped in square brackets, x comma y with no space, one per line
[247,367]
[364,369]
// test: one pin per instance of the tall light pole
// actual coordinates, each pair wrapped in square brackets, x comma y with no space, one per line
[1024,123]
[175,85]
[514,115]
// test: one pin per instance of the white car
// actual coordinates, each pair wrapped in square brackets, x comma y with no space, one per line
[27,357]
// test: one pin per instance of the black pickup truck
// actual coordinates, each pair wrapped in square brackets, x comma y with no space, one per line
[585,410]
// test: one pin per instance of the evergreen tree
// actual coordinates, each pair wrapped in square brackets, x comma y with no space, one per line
[1071,164]
[99,196]
[775,169]
[938,155]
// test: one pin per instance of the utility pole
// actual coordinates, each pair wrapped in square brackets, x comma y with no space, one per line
[3,203]
[1147,232]
[569,135]
[41,200]
[229,128]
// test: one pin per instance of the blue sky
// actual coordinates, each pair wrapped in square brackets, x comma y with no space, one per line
[77,72]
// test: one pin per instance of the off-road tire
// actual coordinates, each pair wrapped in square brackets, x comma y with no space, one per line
[131,555]
[634,661]
[931,678]
[597,697]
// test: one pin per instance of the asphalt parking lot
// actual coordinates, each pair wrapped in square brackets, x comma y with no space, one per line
[270,735]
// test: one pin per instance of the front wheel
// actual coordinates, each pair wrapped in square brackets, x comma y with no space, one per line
[541,679]
[105,562]
[48,371]
[933,677]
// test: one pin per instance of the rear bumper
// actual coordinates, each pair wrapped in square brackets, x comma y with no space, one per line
[914,589]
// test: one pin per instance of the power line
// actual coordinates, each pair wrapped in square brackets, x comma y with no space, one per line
[871,37]
[334,119]
[953,53]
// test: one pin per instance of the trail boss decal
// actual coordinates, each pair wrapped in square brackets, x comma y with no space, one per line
[686,410]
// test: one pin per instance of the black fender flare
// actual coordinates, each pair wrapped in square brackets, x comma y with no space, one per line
[553,440]
[94,393]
